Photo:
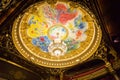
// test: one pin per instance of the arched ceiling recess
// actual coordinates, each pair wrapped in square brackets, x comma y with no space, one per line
[56,35]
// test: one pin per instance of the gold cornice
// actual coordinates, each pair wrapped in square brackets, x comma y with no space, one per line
[93,75]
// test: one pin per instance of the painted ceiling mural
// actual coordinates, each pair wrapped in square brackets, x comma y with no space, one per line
[59,26]
[55,35]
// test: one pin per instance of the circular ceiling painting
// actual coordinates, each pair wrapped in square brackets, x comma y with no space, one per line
[56,35]
[4,4]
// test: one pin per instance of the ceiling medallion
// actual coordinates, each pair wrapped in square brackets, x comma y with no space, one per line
[56,35]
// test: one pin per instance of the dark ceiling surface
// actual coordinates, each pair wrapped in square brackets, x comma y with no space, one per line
[111,14]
